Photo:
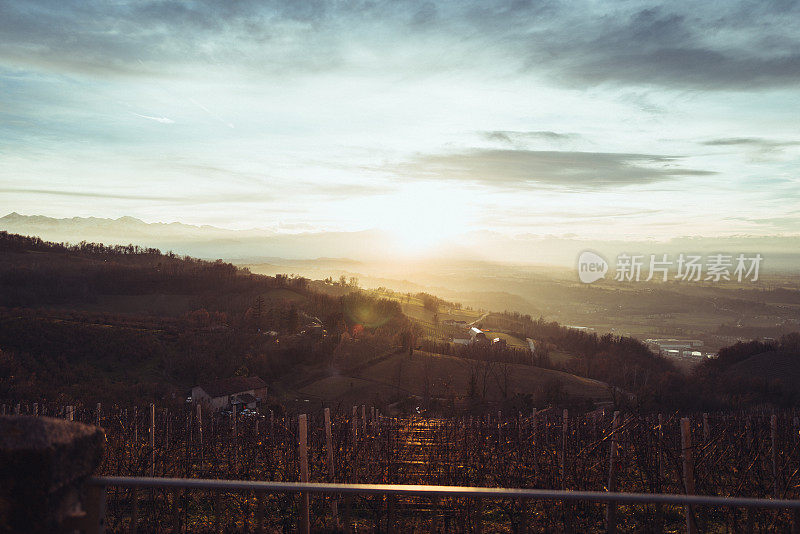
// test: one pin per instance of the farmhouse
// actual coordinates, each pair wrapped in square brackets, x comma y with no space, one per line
[235,392]
[476,335]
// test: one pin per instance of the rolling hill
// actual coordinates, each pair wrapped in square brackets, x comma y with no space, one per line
[445,377]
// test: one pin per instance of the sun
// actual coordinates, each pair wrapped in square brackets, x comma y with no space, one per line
[423,218]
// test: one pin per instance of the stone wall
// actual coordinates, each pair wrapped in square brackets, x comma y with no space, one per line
[44,463]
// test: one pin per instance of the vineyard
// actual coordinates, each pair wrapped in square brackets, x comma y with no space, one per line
[727,454]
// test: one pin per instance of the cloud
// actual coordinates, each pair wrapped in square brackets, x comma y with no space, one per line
[86,194]
[513,138]
[756,142]
[153,37]
[738,45]
[536,168]
[180,199]
[734,45]
[210,113]
[162,120]
[341,190]
[759,148]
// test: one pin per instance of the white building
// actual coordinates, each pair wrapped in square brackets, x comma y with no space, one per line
[667,347]
[476,335]
[235,392]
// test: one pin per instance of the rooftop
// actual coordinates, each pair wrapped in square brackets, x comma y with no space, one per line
[233,385]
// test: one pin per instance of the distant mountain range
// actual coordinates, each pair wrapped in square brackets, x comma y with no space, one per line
[200,241]
[781,253]
[128,226]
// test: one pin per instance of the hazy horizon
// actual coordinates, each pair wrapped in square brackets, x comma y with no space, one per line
[377,248]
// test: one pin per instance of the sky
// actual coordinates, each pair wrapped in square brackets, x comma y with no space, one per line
[427,120]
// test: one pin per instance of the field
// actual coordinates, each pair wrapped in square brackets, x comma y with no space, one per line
[426,374]
[559,357]
[433,322]
[744,454]
[169,305]
[511,341]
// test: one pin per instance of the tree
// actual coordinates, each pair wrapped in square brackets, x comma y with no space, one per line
[258,309]
[429,302]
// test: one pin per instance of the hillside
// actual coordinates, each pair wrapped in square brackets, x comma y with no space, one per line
[450,379]
[90,322]
[125,322]
[770,367]
[757,371]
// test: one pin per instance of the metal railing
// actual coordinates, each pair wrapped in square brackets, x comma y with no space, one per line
[98,487]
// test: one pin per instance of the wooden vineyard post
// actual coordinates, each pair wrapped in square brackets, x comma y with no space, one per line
[499,428]
[751,438]
[189,441]
[353,424]
[331,467]
[660,450]
[135,491]
[547,433]
[235,444]
[353,466]
[99,413]
[773,430]
[611,509]
[363,421]
[749,432]
[70,412]
[688,471]
[35,409]
[262,496]
[305,520]
[660,473]
[391,500]
[134,510]
[200,432]
[135,427]
[260,511]
[564,425]
[152,440]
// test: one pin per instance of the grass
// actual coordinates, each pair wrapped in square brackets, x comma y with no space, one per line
[445,376]
[415,309]
[169,305]
[511,341]
[559,357]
